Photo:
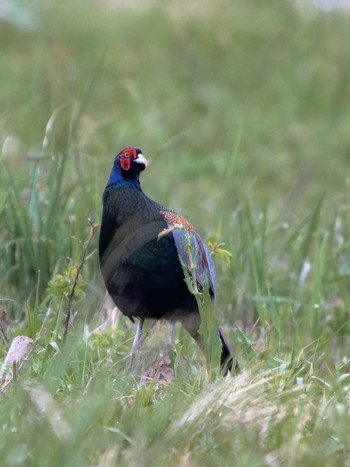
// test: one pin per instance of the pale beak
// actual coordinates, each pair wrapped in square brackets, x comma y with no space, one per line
[141,160]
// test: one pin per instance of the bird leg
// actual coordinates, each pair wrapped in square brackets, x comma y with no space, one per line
[171,327]
[137,340]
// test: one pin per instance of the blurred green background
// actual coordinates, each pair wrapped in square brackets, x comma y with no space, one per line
[243,108]
[236,104]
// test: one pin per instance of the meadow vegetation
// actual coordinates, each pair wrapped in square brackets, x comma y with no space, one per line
[243,109]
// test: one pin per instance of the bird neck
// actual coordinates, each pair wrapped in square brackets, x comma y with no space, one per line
[116,177]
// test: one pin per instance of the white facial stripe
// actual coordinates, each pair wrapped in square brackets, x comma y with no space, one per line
[141,160]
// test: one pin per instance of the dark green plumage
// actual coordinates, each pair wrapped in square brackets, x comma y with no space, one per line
[143,275]
[140,248]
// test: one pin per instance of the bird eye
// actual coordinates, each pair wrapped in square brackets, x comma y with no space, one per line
[126,154]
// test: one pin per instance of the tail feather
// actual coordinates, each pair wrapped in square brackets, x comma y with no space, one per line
[191,323]
[227,361]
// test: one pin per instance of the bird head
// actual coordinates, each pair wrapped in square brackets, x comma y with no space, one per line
[131,160]
[127,167]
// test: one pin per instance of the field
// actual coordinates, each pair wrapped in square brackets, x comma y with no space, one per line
[243,109]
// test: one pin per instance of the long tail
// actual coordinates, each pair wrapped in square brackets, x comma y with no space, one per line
[227,361]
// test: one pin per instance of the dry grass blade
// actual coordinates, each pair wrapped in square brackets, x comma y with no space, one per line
[93,229]
[45,403]
[241,400]
[20,346]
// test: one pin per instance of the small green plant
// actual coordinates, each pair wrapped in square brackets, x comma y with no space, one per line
[216,249]
[70,285]
[61,285]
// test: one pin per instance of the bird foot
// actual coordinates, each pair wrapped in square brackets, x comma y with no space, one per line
[136,343]
[172,351]
[131,360]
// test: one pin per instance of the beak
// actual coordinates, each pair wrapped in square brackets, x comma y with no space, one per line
[141,160]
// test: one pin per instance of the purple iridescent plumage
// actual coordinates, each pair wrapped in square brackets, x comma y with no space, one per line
[203,262]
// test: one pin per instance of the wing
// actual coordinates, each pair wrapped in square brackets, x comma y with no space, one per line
[197,255]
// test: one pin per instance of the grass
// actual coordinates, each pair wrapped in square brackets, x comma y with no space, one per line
[243,109]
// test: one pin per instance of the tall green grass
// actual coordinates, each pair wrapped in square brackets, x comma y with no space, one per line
[243,110]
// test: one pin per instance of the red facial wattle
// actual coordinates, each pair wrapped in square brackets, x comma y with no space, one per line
[125,163]
[126,157]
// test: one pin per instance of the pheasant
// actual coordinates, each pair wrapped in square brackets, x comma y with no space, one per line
[142,252]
